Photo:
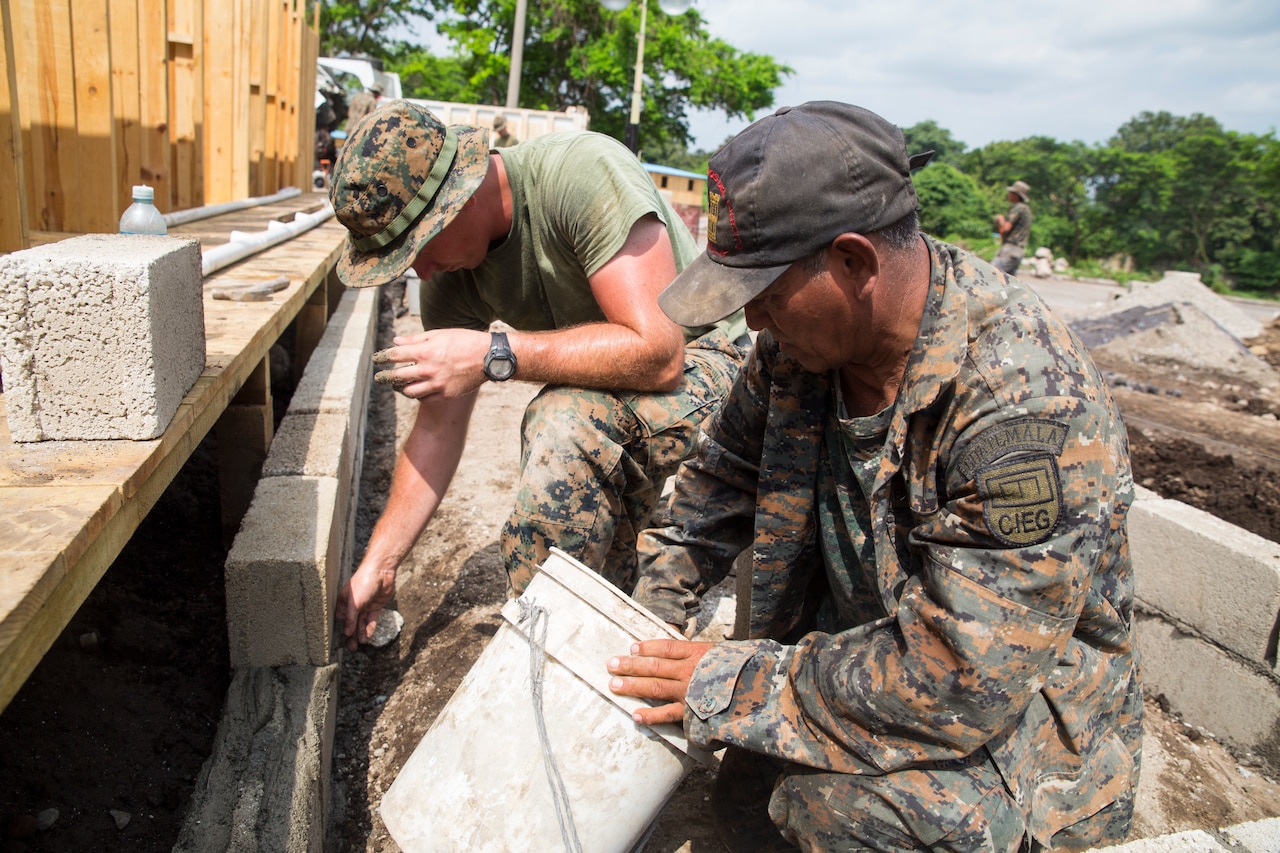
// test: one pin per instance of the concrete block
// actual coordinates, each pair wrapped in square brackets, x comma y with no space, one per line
[1237,703]
[1259,836]
[1193,841]
[312,445]
[283,572]
[339,371]
[1219,579]
[266,784]
[103,335]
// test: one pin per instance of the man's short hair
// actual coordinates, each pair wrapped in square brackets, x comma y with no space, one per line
[896,236]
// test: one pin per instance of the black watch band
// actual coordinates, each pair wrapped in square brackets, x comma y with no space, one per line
[500,361]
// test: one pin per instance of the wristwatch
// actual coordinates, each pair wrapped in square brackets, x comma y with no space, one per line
[500,361]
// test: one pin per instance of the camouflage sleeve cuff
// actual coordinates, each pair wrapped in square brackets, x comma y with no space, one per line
[711,690]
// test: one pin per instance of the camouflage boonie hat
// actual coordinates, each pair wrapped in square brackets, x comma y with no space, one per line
[1020,188]
[400,178]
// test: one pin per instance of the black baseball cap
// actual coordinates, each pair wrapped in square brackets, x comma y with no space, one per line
[784,188]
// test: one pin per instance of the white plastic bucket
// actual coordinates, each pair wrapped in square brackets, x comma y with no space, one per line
[479,780]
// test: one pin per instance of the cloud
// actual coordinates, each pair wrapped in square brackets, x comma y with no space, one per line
[1009,70]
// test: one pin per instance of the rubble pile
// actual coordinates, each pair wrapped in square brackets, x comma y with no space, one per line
[1180,325]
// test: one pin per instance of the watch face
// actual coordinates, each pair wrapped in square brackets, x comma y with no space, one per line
[500,368]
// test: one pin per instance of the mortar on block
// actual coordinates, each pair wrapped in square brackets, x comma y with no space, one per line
[101,336]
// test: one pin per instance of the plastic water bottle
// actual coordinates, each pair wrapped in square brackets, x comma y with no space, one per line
[143,217]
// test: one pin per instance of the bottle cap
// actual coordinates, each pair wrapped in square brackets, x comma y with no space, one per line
[142,192]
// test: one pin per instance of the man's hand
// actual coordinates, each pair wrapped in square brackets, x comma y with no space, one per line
[360,602]
[445,363]
[657,669]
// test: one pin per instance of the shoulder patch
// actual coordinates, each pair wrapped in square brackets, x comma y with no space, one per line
[1022,499]
[1017,436]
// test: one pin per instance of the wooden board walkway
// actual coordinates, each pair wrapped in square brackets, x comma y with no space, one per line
[67,508]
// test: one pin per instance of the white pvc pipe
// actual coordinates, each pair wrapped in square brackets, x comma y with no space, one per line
[179,217]
[243,245]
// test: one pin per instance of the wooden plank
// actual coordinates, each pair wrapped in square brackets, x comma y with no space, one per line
[155,163]
[126,97]
[242,53]
[219,101]
[259,53]
[186,104]
[290,57]
[48,104]
[271,97]
[96,209]
[303,161]
[13,214]
[44,530]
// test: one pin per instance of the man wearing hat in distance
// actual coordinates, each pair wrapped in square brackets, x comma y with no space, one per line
[933,480]
[502,138]
[566,240]
[365,102]
[1014,229]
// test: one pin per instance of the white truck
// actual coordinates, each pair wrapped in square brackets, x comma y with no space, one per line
[364,71]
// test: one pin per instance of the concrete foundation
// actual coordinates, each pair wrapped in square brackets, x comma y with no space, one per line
[266,787]
[101,336]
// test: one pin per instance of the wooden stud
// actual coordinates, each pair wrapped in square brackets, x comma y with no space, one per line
[13,214]
[48,108]
[154,167]
[245,431]
[96,209]
[125,97]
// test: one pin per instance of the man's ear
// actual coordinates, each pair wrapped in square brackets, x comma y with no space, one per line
[855,263]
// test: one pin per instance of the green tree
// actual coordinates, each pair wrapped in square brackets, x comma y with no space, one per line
[951,205]
[577,53]
[363,27]
[1151,133]
[1185,193]
[928,136]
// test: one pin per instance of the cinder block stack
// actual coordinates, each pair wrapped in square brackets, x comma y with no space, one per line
[101,336]
[295,542]
[1209,599]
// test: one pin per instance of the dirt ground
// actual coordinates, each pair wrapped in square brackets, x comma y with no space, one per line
[115,723]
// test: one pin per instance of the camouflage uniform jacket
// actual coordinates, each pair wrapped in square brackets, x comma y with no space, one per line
[1019,226]
[1002,578]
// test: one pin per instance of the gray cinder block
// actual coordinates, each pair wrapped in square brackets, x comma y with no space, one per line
[1208,687]
[1218,578]
[102,336]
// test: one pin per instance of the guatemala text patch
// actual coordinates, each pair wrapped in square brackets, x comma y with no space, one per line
[1023,434]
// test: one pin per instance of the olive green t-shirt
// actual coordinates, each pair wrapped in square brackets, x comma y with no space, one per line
[575,196]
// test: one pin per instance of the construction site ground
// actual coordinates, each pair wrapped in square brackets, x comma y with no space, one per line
[101,748]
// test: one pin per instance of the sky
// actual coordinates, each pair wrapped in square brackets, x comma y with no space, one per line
[1004,70]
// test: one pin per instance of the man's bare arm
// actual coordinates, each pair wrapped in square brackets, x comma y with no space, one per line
[422,475]
[638,348]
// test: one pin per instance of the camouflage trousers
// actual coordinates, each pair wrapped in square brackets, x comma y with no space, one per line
[763,805]
[593,464]
[1008,258]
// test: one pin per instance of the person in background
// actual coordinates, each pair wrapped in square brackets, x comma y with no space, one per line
[933,481]
[362,104]
[1014,229]
[565,240]
[326,150]
[502,138]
